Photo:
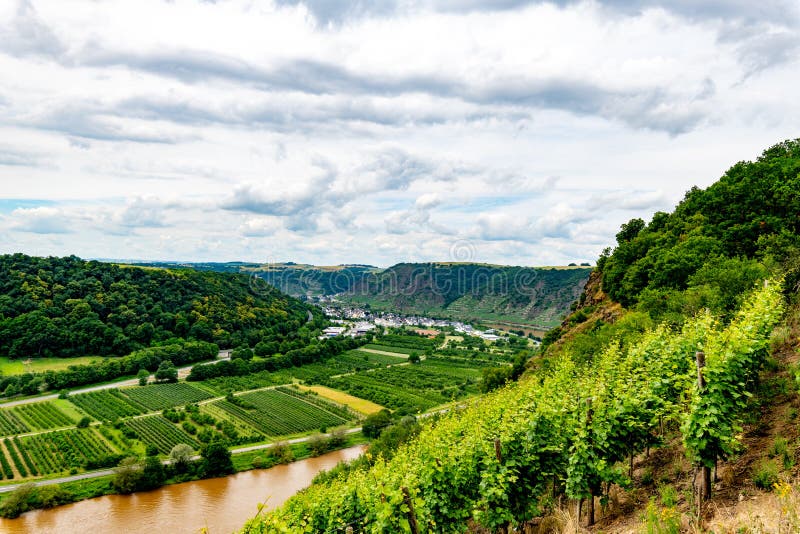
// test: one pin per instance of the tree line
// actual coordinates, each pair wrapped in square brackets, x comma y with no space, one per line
[63,307]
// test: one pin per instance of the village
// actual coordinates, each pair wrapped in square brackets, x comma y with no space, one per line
[356,321]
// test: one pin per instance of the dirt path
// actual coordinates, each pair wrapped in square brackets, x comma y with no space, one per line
[383,352]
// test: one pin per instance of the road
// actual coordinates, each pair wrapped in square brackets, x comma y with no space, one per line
[107,472]
[183,372]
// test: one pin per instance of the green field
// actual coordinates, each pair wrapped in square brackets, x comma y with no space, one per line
[40,365]
[278,414]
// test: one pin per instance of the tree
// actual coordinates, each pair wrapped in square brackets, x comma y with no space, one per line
[166,372]
[181,456]
[152,475]
[143,375]
[216,459]
[413,357]
[375,423]
[84,422]
[128,475]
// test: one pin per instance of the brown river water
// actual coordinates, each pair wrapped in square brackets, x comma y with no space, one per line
[221,505]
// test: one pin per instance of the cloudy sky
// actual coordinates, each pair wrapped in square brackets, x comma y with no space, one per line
[328,132]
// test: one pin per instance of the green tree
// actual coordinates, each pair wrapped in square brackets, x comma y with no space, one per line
[128,475]
[143,375]
[181,456]
[375,423]
[166,372]
[216,459]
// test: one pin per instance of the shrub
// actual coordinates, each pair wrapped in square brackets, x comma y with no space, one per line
[661,520]
[765,475]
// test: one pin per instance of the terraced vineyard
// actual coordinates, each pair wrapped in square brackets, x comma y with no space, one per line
[106,404]
[278,414]
[63,450]
[157,431]
[162,396]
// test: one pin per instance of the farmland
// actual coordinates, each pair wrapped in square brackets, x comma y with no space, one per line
[161,396]
[106,404]
[41,439]
[276,413]
[157,431]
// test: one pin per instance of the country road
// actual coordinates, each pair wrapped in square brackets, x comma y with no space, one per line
[106,472]
[183,372]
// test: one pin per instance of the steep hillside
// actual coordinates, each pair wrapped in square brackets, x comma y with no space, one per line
[669,396]
[69,307]
[473,292]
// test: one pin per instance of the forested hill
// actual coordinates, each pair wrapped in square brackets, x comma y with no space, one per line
[70,307]
[536,296]
[716,242]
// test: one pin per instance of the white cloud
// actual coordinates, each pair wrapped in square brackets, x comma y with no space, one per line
[378,133]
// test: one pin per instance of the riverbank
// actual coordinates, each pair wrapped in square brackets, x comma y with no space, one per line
[59,492]
[219,505]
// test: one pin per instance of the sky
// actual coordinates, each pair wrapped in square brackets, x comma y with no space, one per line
[328,132]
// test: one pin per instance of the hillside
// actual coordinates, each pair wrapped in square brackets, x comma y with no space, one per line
[525,296]
[69,307]
[473,292]
[612,421]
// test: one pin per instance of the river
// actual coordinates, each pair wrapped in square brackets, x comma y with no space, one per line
[220,505]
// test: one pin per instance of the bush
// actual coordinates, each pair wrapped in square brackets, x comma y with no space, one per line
[661,521]
[765,475]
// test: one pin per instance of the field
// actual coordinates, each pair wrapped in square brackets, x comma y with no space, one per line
[41,439]
[106,404]
[393,349]
[360,405]
[60,451]
[415,388]
[156,430]
[278,414]
[161,396]
[40,365]
[42,416]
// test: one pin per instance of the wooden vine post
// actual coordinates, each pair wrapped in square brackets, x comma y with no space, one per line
[412,517]
[704,488]
[589,416]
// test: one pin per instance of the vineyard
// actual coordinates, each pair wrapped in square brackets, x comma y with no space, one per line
[157,431]
[162,396]
[278,414]
[106,404]
[10,424]
[571,432]
[64,450]
[412,388]
[42,416]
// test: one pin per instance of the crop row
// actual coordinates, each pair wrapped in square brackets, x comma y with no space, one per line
[43,416]
[106,404]
[358,359]
[368,387]
[316,400]
[157,431]
[10,424]
[58,451]
[16,459]
[162,396]
[276,414]
[6,467]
